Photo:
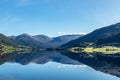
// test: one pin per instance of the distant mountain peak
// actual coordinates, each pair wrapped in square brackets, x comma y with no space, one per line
[44,41]
[42,38]
[25,34]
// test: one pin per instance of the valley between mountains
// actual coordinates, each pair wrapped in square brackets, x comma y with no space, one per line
[100,40]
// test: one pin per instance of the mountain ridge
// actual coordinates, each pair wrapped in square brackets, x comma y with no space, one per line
[8,41]
[93,36]
[43,41]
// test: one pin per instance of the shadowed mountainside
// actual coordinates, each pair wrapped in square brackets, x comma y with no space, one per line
[97,62]
[94,36]
[8,41]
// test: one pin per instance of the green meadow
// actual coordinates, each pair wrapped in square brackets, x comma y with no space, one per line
[9,49]
[104,50]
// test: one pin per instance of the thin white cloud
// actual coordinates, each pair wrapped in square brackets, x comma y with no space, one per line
[83,33]
[22,2]
[10,19]
[71,66]
[63,33]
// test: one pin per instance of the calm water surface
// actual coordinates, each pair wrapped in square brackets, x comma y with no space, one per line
[48,66]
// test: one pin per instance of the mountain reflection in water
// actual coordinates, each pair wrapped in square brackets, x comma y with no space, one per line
[71,59]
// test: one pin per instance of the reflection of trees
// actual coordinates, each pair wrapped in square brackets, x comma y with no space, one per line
[101,63]
[98,64]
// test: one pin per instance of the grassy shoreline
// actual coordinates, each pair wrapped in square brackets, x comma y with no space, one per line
[104,50]
[9,49]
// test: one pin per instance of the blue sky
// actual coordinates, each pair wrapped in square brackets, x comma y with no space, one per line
[56,17]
